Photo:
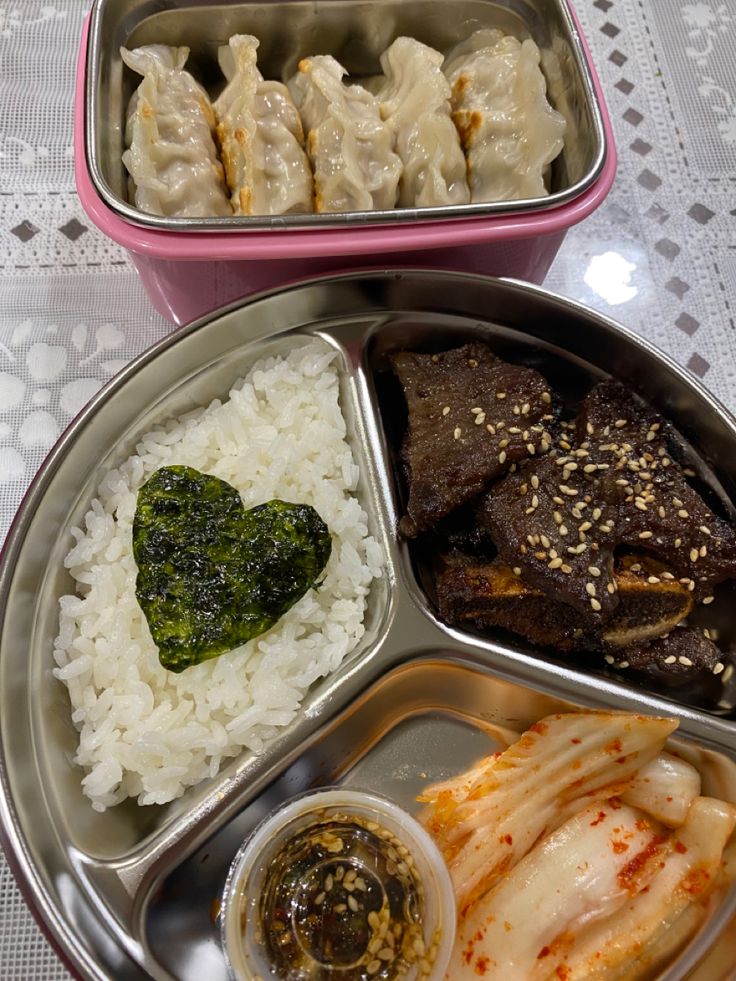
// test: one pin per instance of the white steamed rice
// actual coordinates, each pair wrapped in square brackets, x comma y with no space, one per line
[146,732]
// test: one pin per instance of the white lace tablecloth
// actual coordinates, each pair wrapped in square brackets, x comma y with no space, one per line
[660,255]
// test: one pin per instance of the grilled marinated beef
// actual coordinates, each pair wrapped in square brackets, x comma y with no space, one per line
[471,416]
[659,512]
[679,659]
[492,594]
[554,521]
[608,482]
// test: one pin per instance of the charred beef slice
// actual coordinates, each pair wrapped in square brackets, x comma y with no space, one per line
[470,417]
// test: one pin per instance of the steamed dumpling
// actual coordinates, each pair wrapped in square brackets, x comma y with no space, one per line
[261,138]
[171,156]
[415,102]
[508,129]
[355,168]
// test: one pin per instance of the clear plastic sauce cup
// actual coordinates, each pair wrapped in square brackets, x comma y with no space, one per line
[338,885]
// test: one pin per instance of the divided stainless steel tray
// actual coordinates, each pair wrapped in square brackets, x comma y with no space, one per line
[131,893]
[356,33]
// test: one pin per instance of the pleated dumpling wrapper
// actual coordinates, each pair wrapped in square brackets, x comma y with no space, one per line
[171,156]
[261,137]
[350,146]
[415,102]
[509,131]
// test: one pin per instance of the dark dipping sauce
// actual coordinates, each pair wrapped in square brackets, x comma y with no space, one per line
[342,899]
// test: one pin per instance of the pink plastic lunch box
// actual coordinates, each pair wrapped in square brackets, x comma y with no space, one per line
[187,274]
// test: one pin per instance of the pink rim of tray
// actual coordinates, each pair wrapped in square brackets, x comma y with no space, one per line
[309,242]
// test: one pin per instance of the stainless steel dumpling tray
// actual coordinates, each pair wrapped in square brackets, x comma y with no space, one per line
[356,33]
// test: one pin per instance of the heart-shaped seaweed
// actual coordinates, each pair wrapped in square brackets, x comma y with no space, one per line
[212,575]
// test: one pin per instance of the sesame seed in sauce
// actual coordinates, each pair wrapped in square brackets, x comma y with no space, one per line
[685,661]
[645,534]
[546,397]
[458,432]
[594,570]
[703,551]
[595,605]
[532,449]
[517,570]
[693,555]
[682,513]
[708,599]
[555,563]
[502,456]
[476,410]
[491,429]
[480,418]
[535,481]
[563,530]
[567,569]
[718,668]
[590,588]
[446,410]
[653,580]
[500,395]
